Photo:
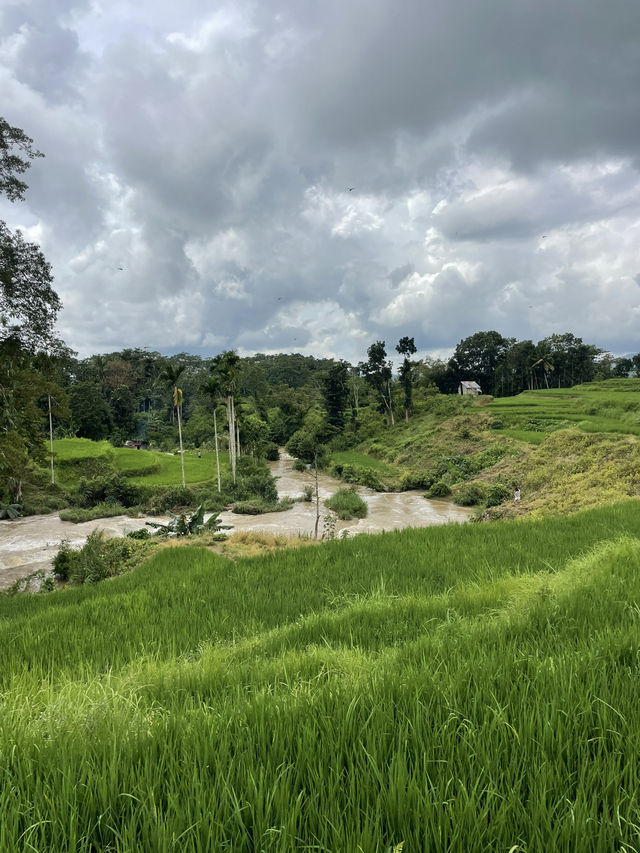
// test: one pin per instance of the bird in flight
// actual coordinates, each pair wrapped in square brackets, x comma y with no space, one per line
[121,269]
[351,189]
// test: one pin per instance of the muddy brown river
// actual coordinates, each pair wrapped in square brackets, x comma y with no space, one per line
[29,544]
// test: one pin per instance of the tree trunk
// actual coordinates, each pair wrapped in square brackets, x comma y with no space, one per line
[51,437]
[232,436]
[181,451]
[215,432]
[315,465]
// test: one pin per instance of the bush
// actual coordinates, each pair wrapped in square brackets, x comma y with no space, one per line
[172,498]
[257,507]
[299,465]
[107,488]
[470,494]
[496,424]
[417,480]
[64,561]
[498,493]
[271,452]
[77,516]
[347,504]
[357,474]
[439,490]
[99,558]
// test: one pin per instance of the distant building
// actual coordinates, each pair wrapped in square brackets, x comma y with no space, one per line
[469,388]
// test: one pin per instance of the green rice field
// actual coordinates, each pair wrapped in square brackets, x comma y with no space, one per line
[458,688]
[609,406]
[143,467]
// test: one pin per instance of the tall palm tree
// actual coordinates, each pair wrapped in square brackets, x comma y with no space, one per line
[226,366]
[170,375]
[214,389]
[546,367]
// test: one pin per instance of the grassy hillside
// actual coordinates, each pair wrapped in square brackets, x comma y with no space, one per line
[142,467]
[567,449]
[459,688]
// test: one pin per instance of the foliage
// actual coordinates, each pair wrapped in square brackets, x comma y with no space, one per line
[347,504]
[439,490]
[98,559]
[188,525]
[101,510]
[259,506]
[335,391]
[171,498]
[108,488]
[10,510]
[497,494]
[360,475]
[470,494]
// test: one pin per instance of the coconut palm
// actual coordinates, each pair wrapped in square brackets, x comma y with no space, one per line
[546,367]
[226,365]
[170,375]
[213,388]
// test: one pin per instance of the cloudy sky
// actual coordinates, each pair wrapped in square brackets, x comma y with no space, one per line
[313,175]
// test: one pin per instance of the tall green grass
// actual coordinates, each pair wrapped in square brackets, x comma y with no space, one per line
[458,688]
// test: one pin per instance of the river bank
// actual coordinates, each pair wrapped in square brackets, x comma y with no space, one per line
[30,544]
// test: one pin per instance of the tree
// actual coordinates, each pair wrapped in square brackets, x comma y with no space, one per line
[309,444]
[406,347]
[16,150]
[546,366]
[213,388]
[377,372]
[28,303]
[171,374]
[226,367]
[335,390]
[90,416]
[478,357]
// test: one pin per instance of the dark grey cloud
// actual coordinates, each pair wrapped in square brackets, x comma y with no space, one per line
[210,152]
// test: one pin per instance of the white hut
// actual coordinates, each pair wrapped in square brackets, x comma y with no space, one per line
[471,388]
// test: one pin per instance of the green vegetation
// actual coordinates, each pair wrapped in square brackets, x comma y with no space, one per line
[101,510]
[347,504]
[489,668]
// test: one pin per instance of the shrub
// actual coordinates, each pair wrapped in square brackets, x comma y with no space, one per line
[271,452]
[357,474]
[257,507]
[99,558]
[470,494]
[417,480]
[299,465]
[172,498]
[107,488]
[347,504]
[498,493]
[64,560]
[496,424]
[77,516]
[439,490]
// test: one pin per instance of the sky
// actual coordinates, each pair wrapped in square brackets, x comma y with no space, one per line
[304,176]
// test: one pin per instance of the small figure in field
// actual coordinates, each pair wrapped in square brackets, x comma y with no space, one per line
[199,455]
[516,495]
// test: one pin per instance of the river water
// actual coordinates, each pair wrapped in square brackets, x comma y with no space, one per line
[29,544]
